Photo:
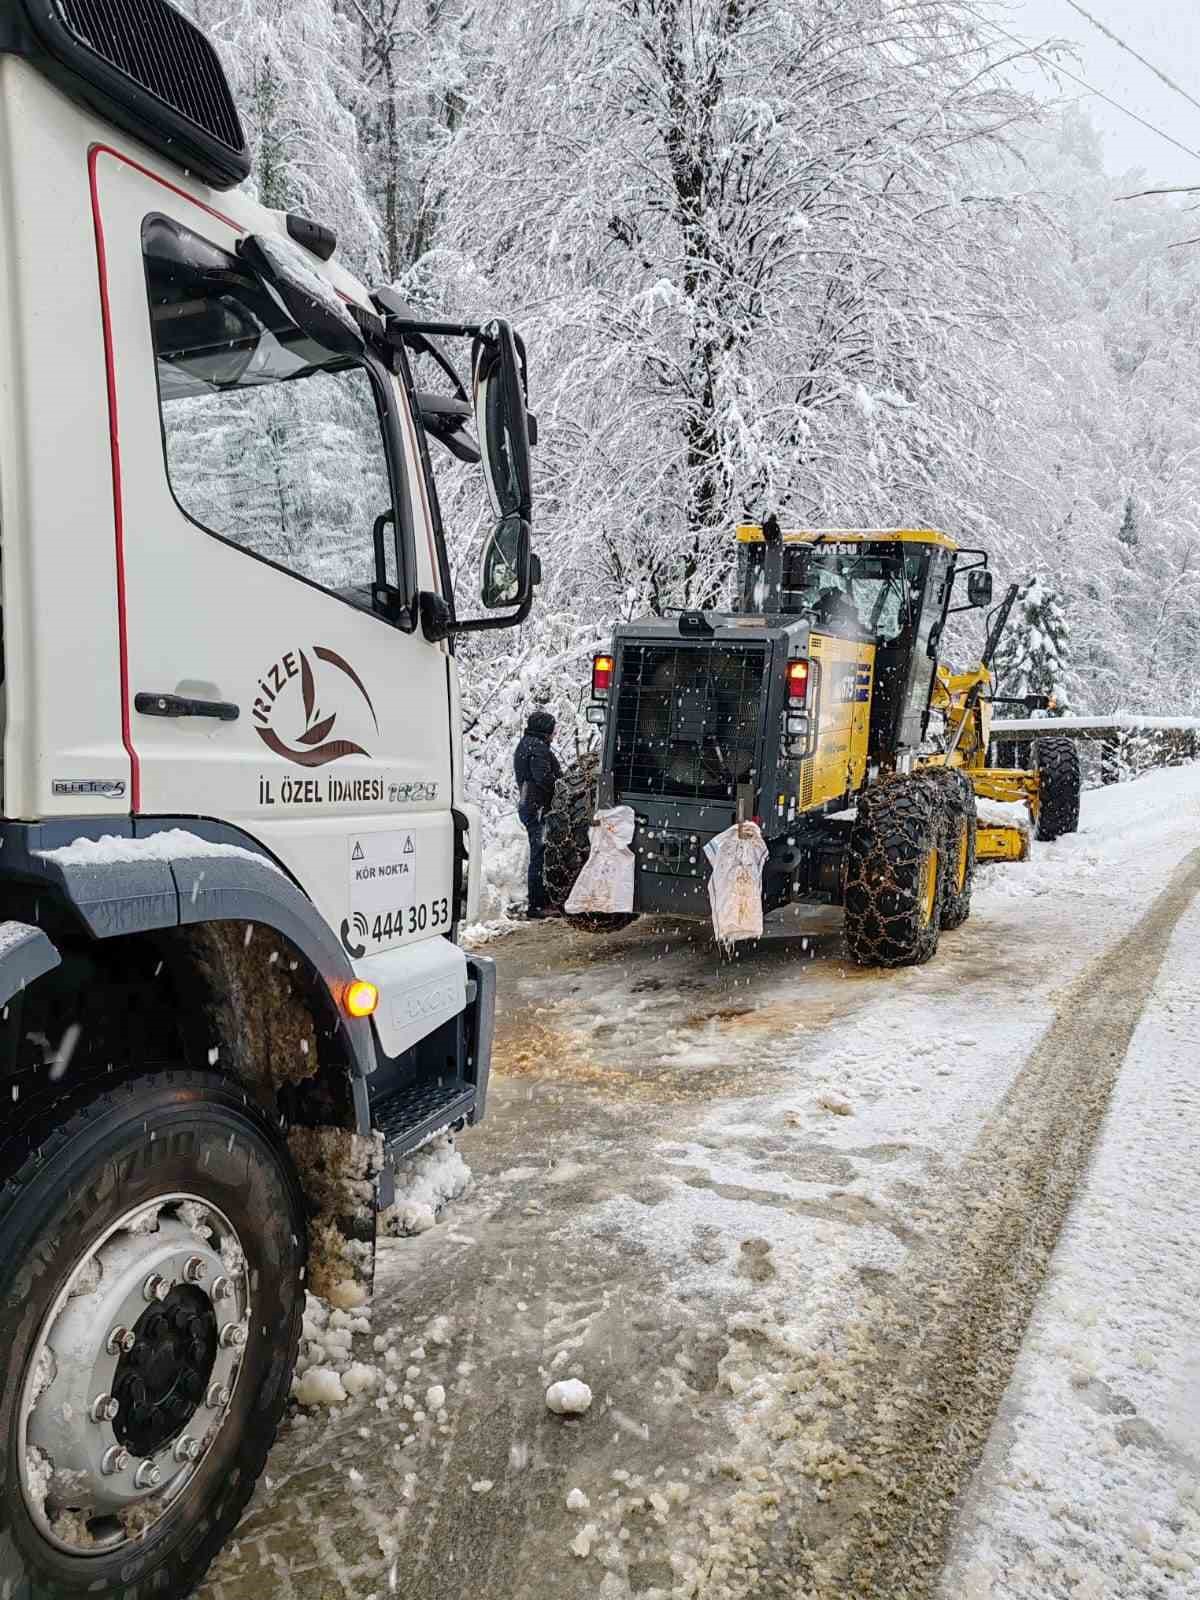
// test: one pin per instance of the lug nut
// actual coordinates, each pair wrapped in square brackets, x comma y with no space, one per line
[121,1341]
[196,1270]
[217,1397]
[147,1476]
[104,1408]
[222,1289]
[187,1449]
[156,1287]
[114,1459]
[233,1335]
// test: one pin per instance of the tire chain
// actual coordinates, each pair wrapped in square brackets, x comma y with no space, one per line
[897,823]
[958,803]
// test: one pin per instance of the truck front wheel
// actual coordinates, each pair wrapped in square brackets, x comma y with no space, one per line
[152,1245]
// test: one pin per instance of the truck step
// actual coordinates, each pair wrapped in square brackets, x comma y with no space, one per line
[409,1116]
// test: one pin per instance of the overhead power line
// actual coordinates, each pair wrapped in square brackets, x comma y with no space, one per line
[1055,66]
[1129,50]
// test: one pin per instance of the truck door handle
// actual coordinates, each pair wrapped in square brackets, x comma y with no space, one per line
[174,705]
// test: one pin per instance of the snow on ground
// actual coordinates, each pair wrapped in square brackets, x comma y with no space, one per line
[1090,1487]
[697,1177]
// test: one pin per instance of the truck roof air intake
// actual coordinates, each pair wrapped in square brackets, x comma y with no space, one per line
[142,65]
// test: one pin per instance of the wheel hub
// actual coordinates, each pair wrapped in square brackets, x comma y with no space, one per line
[161,1383]
[131,1378]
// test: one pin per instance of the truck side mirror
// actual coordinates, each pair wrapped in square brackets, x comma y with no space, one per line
[507,564]
[498,381]
[979,587]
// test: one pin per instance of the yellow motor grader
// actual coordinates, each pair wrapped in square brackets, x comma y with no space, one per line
[812,710]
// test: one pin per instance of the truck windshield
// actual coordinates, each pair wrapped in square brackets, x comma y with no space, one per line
[271,442]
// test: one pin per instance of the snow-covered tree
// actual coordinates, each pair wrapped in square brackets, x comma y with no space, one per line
[1034,656]
[813,256]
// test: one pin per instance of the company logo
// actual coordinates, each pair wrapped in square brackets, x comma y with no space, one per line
[438,996]
[313,745]
[99,788]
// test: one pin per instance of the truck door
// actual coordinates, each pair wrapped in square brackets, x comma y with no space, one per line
[262,687]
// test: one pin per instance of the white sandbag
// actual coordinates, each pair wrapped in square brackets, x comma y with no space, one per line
[606,882]
[735,883]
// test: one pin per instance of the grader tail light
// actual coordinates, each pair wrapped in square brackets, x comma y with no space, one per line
[797,682]
[796,723]
[602,677]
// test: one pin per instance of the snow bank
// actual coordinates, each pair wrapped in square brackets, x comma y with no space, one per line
[505,864]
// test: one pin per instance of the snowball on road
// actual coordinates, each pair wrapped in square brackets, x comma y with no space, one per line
[569,1397]
[663,1205]
[320,1386]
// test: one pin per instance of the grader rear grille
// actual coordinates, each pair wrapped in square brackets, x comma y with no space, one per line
[687,719]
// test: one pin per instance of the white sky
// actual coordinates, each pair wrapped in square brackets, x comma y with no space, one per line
[1167,33]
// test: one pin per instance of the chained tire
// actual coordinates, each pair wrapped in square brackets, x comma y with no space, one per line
[567,842]
[895,874]
[152,1247]
[959,824]
[1059,786]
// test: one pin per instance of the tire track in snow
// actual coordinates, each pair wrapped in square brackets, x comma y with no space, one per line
[872,1444]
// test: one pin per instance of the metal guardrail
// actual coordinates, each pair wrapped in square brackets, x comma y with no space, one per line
[1128,744]
[1090,727]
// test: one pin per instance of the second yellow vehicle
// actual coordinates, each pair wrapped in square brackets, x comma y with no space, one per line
[818,710]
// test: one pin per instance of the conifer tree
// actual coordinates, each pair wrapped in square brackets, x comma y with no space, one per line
[1035,653]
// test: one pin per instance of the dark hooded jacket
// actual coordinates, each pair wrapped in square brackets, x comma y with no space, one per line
[534,763]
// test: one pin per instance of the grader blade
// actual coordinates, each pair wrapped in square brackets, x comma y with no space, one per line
[1001,841]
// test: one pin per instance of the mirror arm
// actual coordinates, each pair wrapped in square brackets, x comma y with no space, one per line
[490,624]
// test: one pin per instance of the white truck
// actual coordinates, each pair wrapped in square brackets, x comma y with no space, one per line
[235,848]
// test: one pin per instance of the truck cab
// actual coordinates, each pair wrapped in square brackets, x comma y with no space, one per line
[235,846]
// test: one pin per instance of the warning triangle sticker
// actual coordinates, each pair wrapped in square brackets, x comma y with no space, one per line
[357,853]
[409,846]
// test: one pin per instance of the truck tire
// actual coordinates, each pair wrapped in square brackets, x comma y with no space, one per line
[958,843]
[567,823]
[895,874]
[152,1247]
[1059,785]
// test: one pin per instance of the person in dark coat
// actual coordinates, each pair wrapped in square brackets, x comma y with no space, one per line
[537,771]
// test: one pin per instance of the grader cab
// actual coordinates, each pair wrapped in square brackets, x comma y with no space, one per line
[816,712]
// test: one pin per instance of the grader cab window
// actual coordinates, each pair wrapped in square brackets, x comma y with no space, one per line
[851,590]
[846,593]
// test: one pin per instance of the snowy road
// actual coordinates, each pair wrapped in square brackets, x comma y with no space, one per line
[789,1220]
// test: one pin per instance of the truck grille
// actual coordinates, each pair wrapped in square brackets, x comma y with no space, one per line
[151,44]
[687,719]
